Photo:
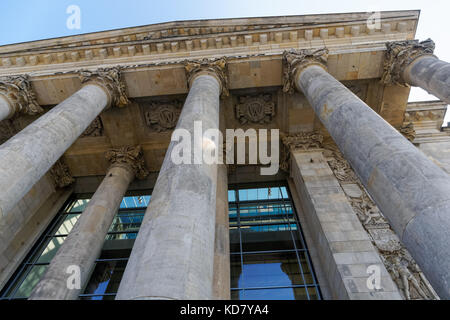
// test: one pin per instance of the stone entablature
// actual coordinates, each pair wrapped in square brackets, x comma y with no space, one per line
[189,37]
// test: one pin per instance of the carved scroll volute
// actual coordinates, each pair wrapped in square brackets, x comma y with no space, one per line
[399,55]
[111,81]
[215,67]
[19,93]
[294,61]
[130,158]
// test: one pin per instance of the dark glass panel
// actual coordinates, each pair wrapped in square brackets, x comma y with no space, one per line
[234,240]
[236,271]
[270,237]
[27,281]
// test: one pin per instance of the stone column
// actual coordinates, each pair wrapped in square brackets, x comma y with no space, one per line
[413,63]
[221,277]
[84,243]
[411,191]
[173,255]
[17,96]
[27,156]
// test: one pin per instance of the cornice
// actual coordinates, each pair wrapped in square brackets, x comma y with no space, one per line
[199,38]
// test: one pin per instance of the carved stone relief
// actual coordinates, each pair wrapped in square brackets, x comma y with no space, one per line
[255,109]
[408,131]
[61,175]
[162,116]
[95,129]
[401,266]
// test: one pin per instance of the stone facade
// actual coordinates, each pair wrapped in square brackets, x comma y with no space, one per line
[369,170]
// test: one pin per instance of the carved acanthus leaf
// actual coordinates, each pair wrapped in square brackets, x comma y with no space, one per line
[163,116]
[295,60]
[18,91]
[408,131]
[110,79]
[399,55]
[130,157]
[95,129]
[205,65]
[61,175]
[255,109]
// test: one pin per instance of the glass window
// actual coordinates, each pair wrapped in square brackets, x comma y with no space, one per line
[35,264]
[269,258]
[108,270]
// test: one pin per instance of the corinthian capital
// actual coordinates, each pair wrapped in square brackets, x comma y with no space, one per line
[399,55]
[61,175]
[130,158]
[216,67]
[110,80]
[296,60]
[18,91]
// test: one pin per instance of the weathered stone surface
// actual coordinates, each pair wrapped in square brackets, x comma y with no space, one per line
[221,276]
[26,157]
[173,255]
[431,74]
[344,248]
[412,192]
[413,63]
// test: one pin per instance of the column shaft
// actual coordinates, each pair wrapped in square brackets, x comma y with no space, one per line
[6,110]
[411,191]
[221,278]
[84,244]
[173,255]
[430,74]
[27,156]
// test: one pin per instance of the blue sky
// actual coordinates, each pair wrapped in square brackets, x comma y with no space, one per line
[40,19]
